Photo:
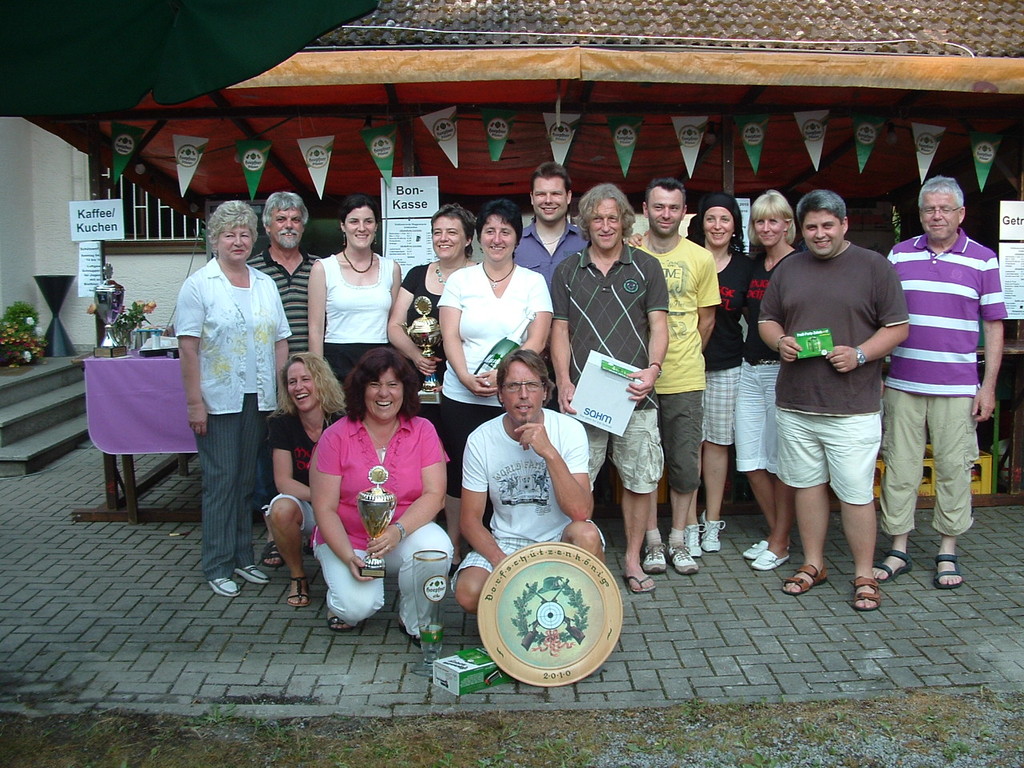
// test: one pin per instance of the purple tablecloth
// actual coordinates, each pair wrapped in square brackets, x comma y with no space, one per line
[137,405]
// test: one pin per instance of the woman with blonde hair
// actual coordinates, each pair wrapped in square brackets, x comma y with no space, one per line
[309,400]
[771,226]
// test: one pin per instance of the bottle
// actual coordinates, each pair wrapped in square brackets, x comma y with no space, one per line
[503,347]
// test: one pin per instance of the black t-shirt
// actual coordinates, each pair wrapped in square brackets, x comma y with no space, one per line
[754,349]
[285,432]
[725,348]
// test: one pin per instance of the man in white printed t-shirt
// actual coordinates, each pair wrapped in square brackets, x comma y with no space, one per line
[533,464]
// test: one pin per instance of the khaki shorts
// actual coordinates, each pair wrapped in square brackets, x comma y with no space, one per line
[838,450]
[636,455]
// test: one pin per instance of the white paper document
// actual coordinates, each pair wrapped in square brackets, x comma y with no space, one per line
[601,398]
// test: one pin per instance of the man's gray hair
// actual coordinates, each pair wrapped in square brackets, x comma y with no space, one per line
[597,195]
[941,185]
[820,200]
[283,201]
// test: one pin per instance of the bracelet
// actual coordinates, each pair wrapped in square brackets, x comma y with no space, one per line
[401,531]
[778,344]
[658,366]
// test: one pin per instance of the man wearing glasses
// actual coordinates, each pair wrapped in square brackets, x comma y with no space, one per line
[950,283]
[532,462]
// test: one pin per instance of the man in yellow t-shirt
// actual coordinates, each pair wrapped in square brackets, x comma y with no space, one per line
[692,295]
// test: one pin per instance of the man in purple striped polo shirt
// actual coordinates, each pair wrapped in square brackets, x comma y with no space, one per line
[932,393]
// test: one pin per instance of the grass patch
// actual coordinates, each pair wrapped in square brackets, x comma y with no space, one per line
[920,728]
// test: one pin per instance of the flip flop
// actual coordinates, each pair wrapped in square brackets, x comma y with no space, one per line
[955,572]
[301,597]
[335,624]
[270,553]
[636,586]
[880,565]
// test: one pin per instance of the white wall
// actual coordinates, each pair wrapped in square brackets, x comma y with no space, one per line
[41,175]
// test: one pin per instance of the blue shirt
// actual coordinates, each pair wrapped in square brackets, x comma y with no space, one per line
[533,254]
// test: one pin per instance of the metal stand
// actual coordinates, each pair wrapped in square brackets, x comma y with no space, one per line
[55,289]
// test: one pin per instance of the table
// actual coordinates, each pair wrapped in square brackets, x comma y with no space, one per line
[136,405]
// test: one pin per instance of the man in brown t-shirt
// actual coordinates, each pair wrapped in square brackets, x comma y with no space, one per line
[829,405]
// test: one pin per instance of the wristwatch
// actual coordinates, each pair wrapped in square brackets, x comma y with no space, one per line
[861,357]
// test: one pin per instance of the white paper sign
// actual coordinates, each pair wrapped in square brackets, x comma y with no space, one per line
[409,197]
[90,268]
[96,220]
[407,241]
[1011,272]
[1011,220]
[601,398]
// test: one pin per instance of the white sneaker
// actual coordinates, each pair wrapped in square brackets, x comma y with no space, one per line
[755,550]
[768,561]
[654,559]
[692,533]
[253,575]
[682,561]
[709,541]
[224,587]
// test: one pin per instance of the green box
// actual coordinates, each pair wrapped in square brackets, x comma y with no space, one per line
[468,671]
[814,343]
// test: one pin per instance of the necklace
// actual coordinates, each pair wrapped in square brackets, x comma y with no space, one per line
[357,271]
[440,277]
[494,283]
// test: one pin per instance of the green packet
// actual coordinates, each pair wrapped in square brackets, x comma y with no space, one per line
[814,343]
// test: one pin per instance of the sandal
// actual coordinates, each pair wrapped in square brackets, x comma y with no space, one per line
[335,624]
[270,557]
[907,568]
[636,586]
[300,597]
[955,571]
[816,577]
[865,589]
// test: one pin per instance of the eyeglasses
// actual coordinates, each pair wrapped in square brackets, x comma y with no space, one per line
[945,210]
[512,387]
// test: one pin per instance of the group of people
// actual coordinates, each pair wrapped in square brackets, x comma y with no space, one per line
[323,342]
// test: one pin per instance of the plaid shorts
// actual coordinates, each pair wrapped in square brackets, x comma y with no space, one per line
[720,405]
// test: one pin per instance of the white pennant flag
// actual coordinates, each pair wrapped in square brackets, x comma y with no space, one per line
[445,130]
[316,153]
[812,127]
[561,129]
[690,133]
[926,143]
[188,151]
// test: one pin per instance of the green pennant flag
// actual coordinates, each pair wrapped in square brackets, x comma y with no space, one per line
[753,129]
[866,130]
[984,147]
[625,132]
[381,143]
[498,127]
[253,154]
[125,142]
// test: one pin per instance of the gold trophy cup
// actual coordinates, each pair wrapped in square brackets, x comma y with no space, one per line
[425,333]
[376,508]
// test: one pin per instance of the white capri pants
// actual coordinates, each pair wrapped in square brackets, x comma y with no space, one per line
[353,600]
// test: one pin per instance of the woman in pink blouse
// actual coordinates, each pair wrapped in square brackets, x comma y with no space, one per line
[381,428]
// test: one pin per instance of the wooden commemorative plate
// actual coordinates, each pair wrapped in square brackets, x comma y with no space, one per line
[550,614]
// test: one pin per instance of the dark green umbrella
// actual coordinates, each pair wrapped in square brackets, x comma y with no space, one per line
[86,56]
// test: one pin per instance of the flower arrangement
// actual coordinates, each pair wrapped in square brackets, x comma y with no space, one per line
[20,343]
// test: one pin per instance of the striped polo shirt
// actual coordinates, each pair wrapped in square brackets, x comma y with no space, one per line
[294,290]
[947,294]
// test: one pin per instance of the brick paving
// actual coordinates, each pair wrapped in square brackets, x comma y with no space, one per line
[104,615]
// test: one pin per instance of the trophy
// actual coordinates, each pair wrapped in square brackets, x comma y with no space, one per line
[376,508]
[109,298]
[425,334]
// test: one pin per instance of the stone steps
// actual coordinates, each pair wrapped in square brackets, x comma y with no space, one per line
[42,414]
